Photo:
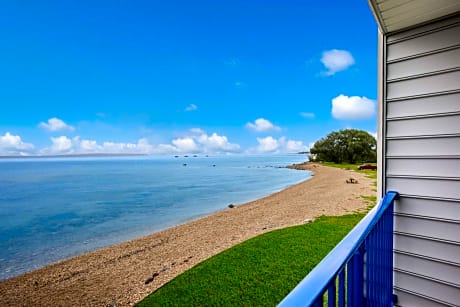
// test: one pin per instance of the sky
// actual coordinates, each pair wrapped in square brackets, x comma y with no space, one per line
[180,77]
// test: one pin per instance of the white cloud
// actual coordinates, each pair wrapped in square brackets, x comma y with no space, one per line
[191,107]
[200,142]
[12,145]
[141,147]
[185,145]
[353,107]
[64,145]
[267,144]
[217,143]
[262,124]
[307,115]
[56,124]
[336,60]
[295,146]
[60,144]
[282,145]
[89,146]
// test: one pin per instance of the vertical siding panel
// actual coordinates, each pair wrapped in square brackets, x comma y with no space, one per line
[422,160]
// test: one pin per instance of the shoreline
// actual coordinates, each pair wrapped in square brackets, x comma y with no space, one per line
[118,274]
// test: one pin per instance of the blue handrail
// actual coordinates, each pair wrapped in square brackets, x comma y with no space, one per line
[360,265]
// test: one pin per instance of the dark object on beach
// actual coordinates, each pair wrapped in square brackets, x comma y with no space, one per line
[151,278]
[367,166]
[351,180]
[148,280]
[231,206]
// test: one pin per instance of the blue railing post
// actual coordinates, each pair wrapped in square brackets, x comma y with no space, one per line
[331,294]
[379,262]
[342,288]
[363,283]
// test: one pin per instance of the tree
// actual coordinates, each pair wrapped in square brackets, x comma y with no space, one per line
[348,145]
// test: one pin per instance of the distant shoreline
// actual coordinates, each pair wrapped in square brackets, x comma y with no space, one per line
[117,274]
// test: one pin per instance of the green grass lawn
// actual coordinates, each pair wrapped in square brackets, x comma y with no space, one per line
[257,272]
[370,173]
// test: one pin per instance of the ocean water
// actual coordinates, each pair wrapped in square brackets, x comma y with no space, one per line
[52,209]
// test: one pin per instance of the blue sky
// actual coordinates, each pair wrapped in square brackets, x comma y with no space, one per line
[169,77]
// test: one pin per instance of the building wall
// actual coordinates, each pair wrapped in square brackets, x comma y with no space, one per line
[421,159]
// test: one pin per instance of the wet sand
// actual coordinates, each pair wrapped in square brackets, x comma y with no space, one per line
[117,274]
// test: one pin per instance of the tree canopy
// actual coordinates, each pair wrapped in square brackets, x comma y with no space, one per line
[348,145]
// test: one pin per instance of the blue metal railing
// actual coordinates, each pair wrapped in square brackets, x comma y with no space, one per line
[359,270]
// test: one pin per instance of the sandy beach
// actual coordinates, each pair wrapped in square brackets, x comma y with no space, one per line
[117,275]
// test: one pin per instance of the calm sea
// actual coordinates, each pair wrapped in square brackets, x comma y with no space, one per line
[52,209]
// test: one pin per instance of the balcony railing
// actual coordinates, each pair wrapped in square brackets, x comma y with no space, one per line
[359,270]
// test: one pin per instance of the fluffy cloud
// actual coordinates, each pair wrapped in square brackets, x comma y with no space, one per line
[336,60]
[307,115]
[56,124]
[185,145]
[191,107]
[353,107]
[200,142]
[12,145]
[217,143]
[61,144]
[281,145]
[295,146]
[267,144]
[261,124]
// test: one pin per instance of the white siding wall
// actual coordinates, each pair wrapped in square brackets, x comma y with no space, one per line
[421,134]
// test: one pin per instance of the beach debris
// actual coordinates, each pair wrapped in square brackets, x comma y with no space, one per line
[264,228]
[151,278]
[351,180]
[306,221]
[165,268]
[113,304]
[231,206]
[148,280]
[186,260]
